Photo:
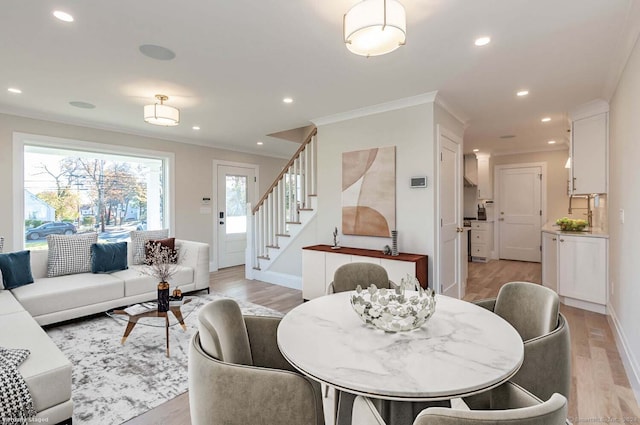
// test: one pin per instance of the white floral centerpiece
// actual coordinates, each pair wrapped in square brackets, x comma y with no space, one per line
[395,310]
[162,263]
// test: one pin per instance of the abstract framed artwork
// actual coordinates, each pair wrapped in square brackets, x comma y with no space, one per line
[369,192]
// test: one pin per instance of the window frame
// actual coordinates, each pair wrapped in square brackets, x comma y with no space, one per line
[20,140]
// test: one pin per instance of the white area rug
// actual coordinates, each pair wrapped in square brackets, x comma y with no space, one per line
[112,383]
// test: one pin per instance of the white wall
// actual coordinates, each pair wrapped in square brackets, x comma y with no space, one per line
[624,242]
[193,171]
[411,131]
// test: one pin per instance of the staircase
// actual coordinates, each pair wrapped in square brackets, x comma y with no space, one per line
[285,209]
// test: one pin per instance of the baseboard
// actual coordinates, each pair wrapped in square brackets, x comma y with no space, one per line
[630,363]
[286,280]
[584,305]
[212,267]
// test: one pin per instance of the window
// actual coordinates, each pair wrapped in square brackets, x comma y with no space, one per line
[91,188]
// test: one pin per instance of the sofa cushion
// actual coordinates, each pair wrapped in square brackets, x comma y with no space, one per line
[16,269]
[8,303]
[50,295]
[69,254]
[139,240]
[108,257]
[46,371]
[136,282]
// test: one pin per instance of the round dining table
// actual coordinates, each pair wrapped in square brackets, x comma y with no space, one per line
[462,350]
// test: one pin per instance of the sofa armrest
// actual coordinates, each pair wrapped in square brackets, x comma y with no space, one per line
[195,255]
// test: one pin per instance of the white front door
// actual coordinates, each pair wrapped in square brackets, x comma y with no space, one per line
[235,188]
[520,213]
[449,200]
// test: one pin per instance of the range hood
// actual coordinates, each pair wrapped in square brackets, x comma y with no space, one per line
[470,171]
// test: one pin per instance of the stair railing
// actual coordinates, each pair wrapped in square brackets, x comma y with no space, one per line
[281,204]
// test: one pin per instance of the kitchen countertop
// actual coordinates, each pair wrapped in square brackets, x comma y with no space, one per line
[594,233]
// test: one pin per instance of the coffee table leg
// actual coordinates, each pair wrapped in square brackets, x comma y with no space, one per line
[130,326]
[166,318]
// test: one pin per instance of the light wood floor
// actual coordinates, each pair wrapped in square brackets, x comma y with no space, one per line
[600,391]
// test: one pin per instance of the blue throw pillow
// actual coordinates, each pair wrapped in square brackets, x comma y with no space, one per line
[16,269]
[108,257]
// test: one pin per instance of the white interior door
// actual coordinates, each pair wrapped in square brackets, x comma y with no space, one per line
[520,213]
[449,201]
[235,188]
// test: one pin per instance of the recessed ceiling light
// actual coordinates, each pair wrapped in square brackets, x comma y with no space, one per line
[195,127]
[259,143]
[545,119]
[551,142]
[522,93]
[482,41]
[157,52]
[83,105]
[14,90]
[287,100]
[476,150]
[63,16]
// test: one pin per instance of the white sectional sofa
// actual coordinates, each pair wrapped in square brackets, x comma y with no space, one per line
[50,300]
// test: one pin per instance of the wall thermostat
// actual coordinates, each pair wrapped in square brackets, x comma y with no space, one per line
[417,182]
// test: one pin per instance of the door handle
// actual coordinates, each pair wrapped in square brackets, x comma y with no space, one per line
[561,240]
[554,239]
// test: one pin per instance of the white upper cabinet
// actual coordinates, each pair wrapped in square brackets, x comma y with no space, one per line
[485,186]
[589,148]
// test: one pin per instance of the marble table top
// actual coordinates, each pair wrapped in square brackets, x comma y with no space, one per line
[463,349]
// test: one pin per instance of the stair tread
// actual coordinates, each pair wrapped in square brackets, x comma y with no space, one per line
[256,268]
[264,257]
[294,222]
[312,194]
[284,235]
[306,209]
[273,246]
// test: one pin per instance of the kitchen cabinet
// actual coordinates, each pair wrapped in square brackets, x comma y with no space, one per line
[481,240]
[589,149]
[320,262]
[550,260]
[485,186]
[576,266]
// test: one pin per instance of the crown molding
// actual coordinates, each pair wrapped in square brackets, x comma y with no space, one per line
[105,127]
[454,111]
[377,109]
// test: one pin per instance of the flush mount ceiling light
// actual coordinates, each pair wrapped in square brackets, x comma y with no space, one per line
[63,16]
[482,41]
[161,114]
[375,27]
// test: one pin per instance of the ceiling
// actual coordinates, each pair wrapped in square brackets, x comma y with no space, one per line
[237,59]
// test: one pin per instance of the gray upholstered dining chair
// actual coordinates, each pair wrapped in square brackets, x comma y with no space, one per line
[348,276]
[238,376]
[510,405]
[533,311]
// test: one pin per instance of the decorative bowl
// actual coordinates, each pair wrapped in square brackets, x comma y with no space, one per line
[394,310]
[571,225]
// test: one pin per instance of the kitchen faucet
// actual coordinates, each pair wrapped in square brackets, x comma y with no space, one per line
[589,212]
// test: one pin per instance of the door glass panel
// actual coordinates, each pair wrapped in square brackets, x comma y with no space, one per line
[236,204]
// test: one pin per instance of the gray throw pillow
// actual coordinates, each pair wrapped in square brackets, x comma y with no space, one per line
[139,240]
[69,254]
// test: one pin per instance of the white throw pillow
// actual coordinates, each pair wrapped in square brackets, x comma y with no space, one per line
[69,254]
[139,240]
